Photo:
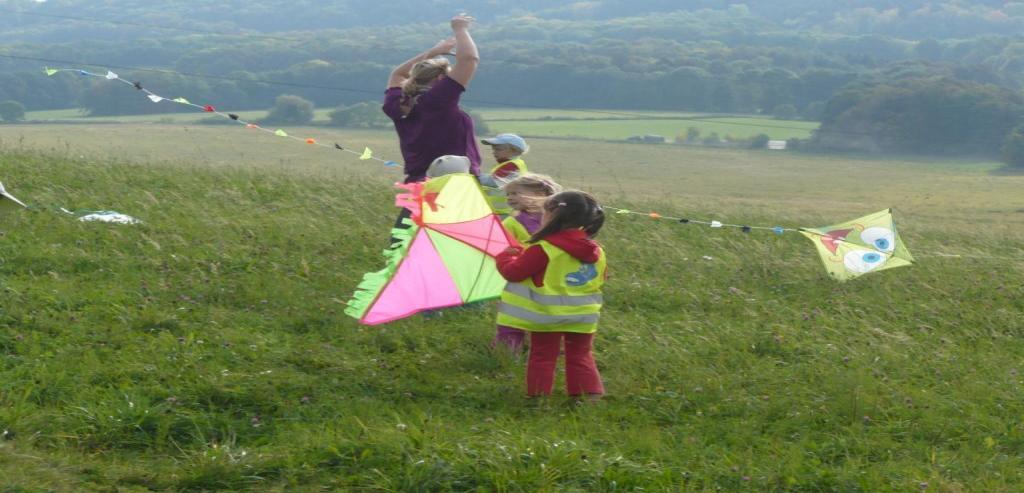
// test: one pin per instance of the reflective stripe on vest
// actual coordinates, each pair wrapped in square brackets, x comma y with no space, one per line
[569,300]
[553,299]
[540,318]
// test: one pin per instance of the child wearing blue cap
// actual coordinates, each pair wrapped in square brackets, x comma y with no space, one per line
[508,150]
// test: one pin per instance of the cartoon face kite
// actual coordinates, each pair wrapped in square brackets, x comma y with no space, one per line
[854,248]
[446,257]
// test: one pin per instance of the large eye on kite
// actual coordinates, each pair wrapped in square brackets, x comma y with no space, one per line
[862,261]
[882,239]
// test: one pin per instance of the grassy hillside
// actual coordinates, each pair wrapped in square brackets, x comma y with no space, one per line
[206,349]
[596,124]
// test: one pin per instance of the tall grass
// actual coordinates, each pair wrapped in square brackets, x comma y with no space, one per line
[206,349]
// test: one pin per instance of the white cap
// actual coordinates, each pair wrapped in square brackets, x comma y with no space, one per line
[446,165]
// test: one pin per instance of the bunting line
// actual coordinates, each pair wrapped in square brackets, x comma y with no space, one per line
[367,154]
[364,155]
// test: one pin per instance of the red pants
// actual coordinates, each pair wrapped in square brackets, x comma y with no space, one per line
[581,376]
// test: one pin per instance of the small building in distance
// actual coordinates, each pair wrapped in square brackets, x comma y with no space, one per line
[647,139]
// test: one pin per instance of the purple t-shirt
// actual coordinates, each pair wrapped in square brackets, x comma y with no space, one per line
[529,221]
[435,127]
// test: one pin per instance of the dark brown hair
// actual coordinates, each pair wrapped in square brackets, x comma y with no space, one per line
[571,209]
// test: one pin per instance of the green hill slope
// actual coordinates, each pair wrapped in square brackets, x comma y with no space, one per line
[206,349]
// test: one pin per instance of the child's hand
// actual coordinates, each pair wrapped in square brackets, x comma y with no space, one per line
[461,21]
[443,47]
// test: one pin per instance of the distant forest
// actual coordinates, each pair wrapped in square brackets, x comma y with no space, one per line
[778,57]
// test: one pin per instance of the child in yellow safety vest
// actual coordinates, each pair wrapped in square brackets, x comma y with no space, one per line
[508,150]
[526,196]
[554,292]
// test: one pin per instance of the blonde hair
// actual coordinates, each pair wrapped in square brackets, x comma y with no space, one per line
[421,77]
[534,184]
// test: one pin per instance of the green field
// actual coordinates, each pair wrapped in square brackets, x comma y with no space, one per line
[620,125]
[77,116]
[586,124]
[621,128]
[496,113]
[206,349]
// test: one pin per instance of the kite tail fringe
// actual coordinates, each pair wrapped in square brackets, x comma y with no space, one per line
[374,282]
[411,198]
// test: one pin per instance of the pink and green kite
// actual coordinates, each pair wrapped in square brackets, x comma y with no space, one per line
[445,258]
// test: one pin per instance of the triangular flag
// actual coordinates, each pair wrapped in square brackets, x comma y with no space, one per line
[716,224]
[209,109]
[391,164]
[154,98]
[367,154]
[51,71]
[110,75]
[8,202]
[232,116]
[181,100]
[281,133]
[138,85]
[311,141]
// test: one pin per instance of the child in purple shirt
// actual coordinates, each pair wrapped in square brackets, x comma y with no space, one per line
[422,100]
[526,196]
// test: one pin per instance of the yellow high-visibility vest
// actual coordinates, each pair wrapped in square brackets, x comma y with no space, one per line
[496,196]
[569,301]
[517,229]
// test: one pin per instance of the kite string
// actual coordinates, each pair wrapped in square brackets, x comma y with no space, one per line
[969,256]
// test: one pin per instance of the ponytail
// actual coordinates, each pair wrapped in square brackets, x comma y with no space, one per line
[421,78]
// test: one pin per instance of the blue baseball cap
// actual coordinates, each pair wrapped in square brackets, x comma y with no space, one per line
[508,139]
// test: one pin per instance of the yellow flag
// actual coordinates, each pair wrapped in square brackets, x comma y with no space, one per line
[367,154]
